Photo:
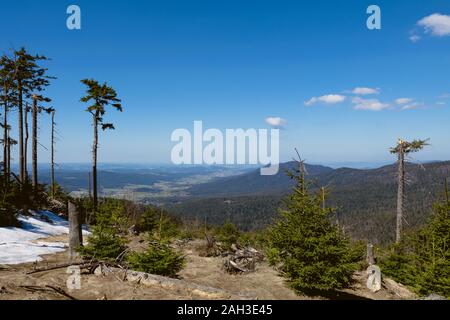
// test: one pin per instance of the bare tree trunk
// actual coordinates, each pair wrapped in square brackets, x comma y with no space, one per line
[447,199]
[94,162]
[89,185]
[370,256]
[21,149]
[25,146]
[75,233]
[322,193]
[34,144]
[5,139]
[400,193]
[8,150]
[53,156]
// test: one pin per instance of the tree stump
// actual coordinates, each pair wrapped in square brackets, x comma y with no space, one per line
[75,234]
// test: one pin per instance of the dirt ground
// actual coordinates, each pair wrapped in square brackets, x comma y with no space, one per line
[264,284]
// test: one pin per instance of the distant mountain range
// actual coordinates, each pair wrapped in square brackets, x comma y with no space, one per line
[365,199]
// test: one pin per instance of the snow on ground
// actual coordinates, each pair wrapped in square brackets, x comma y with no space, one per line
[19,245]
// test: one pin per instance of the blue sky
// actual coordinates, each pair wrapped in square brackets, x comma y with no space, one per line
[233,64]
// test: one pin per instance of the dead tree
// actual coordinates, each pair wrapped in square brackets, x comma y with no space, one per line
[402,149]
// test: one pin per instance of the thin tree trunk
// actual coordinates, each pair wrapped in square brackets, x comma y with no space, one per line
[370,256]
[322,193]
[89,185]
[21,149]
[34,144]
[447,199]
[8,174]
[94,161]
[400,193]
[25,146]
[53,156]
[5,139]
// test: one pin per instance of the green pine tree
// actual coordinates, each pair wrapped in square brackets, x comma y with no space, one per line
[159,258]
[422,259]
[436,253]
[310,251]
[148,221]
[107,241]
[228,234]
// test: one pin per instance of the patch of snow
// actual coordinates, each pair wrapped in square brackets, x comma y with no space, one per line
[19,245]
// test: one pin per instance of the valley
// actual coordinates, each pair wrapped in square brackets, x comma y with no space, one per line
[364,199]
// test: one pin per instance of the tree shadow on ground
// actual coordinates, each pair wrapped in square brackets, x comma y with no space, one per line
[335,295]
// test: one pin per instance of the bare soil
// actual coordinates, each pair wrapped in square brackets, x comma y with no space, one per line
[263,284]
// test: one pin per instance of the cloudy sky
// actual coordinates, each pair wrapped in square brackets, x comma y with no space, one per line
[339,91]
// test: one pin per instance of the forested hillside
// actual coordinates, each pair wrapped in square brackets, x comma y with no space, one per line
[365,200]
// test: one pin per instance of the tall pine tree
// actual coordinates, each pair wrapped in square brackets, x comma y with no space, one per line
[101,96]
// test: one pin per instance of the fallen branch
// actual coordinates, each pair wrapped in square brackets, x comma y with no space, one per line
[62,292]
[83,264]
[48,289]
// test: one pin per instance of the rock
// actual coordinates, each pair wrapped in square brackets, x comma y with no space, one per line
[99,271]
[398,289]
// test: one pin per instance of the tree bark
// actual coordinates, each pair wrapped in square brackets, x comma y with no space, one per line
[21,154]
[75,233]
[370,256]
[9,156]
[25,145]
[94,162]
[53,156]
[400,193]
[34,146]
[5,139]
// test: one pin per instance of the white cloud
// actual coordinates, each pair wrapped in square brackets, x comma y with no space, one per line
[437,24]
[276,122]
[412,106]
[441,103]
[365,91]
[327,99]
[414,38]
[369,104]
[401,101]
